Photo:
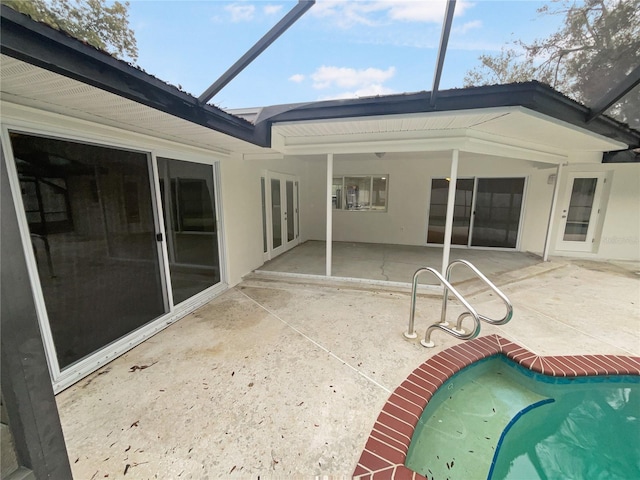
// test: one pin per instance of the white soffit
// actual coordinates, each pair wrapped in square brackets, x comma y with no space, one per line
[35,87]
[535,127]
[509,126]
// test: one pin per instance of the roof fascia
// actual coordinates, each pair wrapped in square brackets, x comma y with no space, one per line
[531,95]
[40,45]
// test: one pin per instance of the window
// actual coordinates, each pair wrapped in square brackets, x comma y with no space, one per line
[361,192]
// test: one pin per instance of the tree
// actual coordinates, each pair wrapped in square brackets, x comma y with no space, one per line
[506,67]
[597,45]
[104,26]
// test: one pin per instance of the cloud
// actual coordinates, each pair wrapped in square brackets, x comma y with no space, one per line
[241,13]
[298,77]
[368,91]
[272,9]
[344,82]
[348,13]
[465,27]
[328,76]
[407,11]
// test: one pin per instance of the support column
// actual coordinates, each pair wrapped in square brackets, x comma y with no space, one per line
[27,393]
[448,229]
[552,214]
[329,236]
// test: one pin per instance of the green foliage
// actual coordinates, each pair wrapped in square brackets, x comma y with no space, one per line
[597,45]
[101,23]
[507,67]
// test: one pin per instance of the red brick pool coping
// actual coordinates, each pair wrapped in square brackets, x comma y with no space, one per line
[386,449]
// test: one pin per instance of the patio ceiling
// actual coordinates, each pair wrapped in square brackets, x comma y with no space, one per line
[516,132]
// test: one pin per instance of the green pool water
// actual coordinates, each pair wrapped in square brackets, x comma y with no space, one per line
[497,420]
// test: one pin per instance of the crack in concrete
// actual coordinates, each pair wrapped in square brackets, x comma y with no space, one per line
[317,344]
[384,262]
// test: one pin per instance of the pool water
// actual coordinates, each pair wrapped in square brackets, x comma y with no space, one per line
[497,420]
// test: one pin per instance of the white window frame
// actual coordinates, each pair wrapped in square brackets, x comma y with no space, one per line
[343,200]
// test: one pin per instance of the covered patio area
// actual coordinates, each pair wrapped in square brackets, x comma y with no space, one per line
[374,262]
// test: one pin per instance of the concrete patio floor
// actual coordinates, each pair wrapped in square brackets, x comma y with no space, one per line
[392,263]
[284,378]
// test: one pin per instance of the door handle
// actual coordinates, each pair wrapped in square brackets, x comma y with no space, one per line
[564,216]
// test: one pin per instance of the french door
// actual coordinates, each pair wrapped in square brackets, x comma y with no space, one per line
[104,275]
[580,209]
[280,210]
[486,213]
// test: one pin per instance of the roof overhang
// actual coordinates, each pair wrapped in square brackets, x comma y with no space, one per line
[514,132]
[532,96]
[40,45]
[26,89]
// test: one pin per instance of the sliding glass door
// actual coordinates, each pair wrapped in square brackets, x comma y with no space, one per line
[188,199]
[93,230]
[487,211]
[461,210]
[104,276]
[496,216]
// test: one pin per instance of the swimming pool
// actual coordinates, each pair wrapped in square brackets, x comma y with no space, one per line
[495,419]
[388,445]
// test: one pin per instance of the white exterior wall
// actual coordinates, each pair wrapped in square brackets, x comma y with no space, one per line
[410,176]
[621,228]
[242,206]
[313,201]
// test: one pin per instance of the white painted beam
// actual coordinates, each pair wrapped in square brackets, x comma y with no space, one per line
[448,229]
[329,236]
[552,213]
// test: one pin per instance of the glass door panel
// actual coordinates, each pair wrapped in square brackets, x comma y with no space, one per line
[265,246]
[289,215]
[580,209]
[188,197]
[461,211]
[497,212]
[276,213]
[93,230]
[282,214]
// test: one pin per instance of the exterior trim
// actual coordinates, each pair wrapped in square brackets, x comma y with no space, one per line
[532,95]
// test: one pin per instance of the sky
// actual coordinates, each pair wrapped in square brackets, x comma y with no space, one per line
[338,49]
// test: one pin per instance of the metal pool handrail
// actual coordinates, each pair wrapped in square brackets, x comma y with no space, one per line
[490,284]
[443,325]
